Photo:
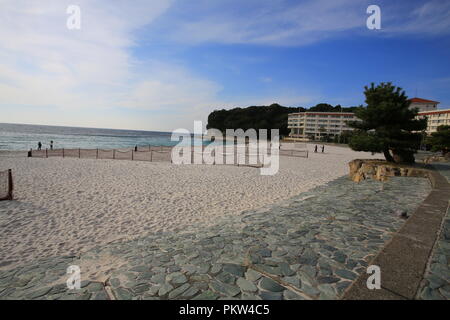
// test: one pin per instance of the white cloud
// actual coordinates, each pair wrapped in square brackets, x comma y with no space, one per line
[44,66]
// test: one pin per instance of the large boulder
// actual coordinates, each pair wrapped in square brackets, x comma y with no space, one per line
[381,170]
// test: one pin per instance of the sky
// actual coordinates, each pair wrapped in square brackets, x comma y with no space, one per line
[161,64]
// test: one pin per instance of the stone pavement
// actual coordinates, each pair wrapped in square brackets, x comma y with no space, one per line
[436,285]
[312,246]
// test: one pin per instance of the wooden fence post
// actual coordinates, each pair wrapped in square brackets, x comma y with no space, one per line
[114,153]
[79,153]
[151,156]
[10,185]
[46,153]
[132,153]
[96,156]
[63,152]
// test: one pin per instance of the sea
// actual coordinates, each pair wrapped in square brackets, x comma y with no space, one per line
[25,137]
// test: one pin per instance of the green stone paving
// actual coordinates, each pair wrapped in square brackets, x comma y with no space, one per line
[311,246]
[436,285]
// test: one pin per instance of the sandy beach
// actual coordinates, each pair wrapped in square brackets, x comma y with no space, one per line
[66,206]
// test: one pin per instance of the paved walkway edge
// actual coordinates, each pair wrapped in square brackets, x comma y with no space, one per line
[403,260]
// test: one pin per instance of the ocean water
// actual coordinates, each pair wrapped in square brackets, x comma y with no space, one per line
[24,137]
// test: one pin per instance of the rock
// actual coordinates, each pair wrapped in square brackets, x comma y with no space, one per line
[290,295]
[248,296]
[430,294]
[266,295]
[327,279]
[165,289]
[270,285]
[327,289]
[286,270]
[140,288]
[252,275]
[177,278]
[140,269]
[294,281]
[226,277]
[215,269]
[189,293]
[39,293]
[178,291]
[123,294]
[94,286]
[101,296]
[115,282]
[346,274]
[206,295]
[435,282]
[234,269]
[224,288]
[380,170]
[158,278]
[311,291]
[246,285]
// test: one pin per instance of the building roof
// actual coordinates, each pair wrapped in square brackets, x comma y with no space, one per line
[439,111]
[420,100]
[322,113]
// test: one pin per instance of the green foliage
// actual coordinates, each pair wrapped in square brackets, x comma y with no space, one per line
[388,125]
[364,141]
[440,140]
[256,117]
[263,117]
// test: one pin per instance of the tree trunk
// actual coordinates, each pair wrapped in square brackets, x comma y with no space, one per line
[387,155]
[403,156]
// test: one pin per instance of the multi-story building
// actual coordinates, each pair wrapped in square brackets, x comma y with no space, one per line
[307,125]
[435,119]
[423,104]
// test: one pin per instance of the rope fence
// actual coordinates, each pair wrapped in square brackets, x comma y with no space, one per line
[244,155]
[6,185]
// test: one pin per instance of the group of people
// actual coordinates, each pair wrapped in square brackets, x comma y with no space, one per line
[40,145]
[315,148]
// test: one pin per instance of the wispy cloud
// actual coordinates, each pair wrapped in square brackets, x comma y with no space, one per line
[270,23]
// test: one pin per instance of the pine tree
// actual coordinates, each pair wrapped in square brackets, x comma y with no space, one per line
[440,140]
[388,125]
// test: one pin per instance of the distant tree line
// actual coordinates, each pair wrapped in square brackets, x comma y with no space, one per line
[274,116]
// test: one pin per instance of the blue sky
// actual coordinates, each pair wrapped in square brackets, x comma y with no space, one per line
[161,64]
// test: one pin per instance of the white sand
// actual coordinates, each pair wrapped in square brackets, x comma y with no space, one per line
[65,206]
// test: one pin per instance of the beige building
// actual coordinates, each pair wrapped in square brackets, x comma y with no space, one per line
[305,125]
[435,119]
[423,104]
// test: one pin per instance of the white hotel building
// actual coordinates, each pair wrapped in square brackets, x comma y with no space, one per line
[428,109]
[435,119]
[305,125]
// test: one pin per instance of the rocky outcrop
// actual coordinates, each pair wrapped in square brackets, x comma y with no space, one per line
[436,158]
[381,170]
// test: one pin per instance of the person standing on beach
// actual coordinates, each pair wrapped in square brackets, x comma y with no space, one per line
[323,148]
[315,149]
[39,145]
[51,145]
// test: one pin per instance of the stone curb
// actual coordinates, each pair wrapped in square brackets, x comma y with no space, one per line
[404,258]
